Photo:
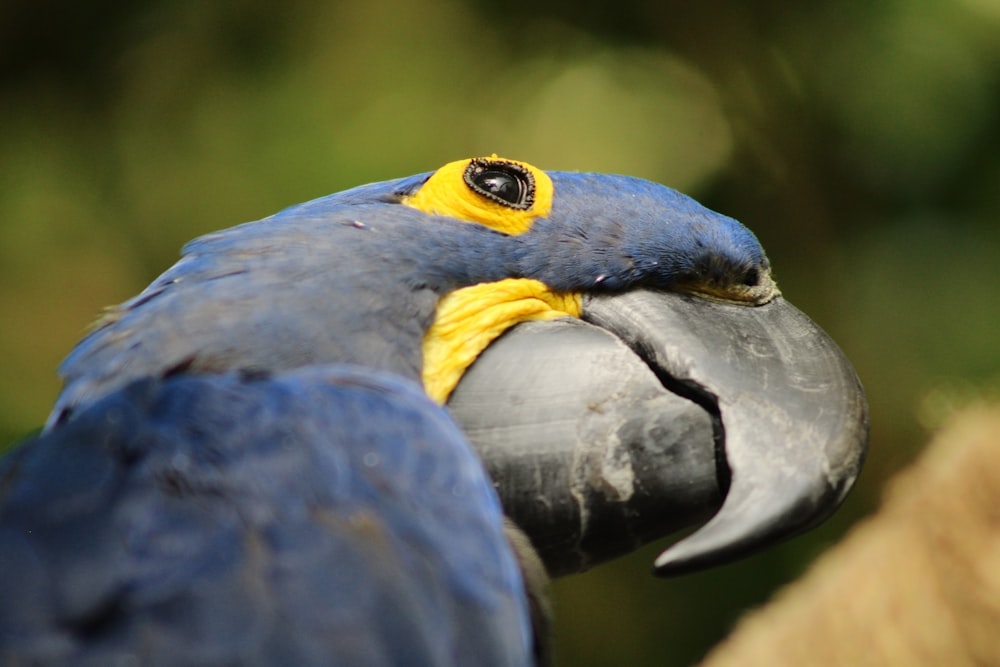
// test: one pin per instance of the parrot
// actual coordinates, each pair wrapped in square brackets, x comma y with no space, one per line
[365,429]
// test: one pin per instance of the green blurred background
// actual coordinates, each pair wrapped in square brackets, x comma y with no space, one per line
[861,141]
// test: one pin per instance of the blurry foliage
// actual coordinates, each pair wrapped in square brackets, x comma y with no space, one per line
[859,140]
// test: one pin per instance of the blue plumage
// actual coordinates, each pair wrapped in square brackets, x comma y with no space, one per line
[224,519]
[355,277]
[613,233]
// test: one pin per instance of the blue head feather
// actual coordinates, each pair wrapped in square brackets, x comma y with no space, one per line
[355,277]
[610,232]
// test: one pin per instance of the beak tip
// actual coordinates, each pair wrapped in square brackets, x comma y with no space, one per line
[793,411]
[732,535]
[756,515]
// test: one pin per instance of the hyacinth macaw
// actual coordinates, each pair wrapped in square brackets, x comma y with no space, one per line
[250,463]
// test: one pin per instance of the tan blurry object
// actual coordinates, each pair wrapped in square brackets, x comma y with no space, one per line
[916,584]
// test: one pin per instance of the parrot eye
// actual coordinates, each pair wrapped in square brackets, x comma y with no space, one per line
[503,182]
[751,278]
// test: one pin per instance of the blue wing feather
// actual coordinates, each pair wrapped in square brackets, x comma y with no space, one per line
[324,516]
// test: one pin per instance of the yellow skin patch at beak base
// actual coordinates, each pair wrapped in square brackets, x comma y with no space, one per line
[469,319]
[447,193]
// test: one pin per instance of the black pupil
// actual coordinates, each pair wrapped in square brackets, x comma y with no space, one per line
[501,184]
[506,183]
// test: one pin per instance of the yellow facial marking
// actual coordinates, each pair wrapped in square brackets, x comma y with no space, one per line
[505,195]
[469,319]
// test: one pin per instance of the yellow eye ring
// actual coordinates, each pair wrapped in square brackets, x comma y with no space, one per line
[504,195]
[502,181]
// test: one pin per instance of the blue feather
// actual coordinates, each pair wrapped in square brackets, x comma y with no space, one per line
[222,519]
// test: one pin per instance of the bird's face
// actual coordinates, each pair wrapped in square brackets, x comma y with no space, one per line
[584,232]
[611,240]
[567,234]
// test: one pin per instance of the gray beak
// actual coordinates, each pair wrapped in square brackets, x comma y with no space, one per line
[663,411]
[794,414]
